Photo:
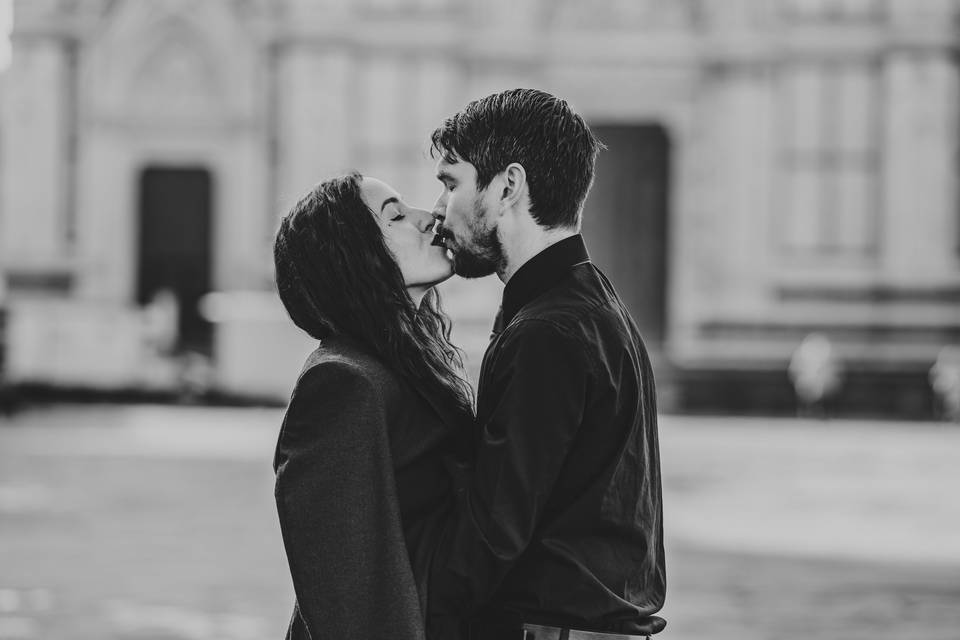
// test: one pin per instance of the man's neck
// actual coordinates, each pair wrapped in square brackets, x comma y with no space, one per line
[519,249]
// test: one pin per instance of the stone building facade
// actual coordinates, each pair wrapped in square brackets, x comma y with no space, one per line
[775,168]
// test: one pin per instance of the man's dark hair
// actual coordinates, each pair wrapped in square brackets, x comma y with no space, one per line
[535,129]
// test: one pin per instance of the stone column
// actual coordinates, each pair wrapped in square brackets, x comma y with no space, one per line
[107,208]
[437,94]
[33,155]
[919,234]
[315,118]
[243,260]
[737,115]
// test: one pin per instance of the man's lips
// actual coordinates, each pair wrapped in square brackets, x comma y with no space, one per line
[438,239]
[441,238]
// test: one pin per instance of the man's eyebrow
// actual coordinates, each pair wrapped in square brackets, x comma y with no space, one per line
[444,176]
[389,200]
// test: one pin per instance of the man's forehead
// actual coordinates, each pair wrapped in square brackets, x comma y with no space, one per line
[453,166]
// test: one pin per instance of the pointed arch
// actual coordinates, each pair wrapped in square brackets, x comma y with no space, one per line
[178,76]
[171,59]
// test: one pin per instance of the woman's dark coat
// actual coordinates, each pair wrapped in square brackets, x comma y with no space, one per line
[361,491]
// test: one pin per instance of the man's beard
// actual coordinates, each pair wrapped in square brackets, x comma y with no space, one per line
[483,254]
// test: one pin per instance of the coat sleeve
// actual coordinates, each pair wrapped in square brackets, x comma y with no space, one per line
[338,509]
[531,408]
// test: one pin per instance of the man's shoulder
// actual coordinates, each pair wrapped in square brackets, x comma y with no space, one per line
[583,296]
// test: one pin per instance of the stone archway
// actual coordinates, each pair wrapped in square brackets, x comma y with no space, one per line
[174,248]
[170,84]
[172,60]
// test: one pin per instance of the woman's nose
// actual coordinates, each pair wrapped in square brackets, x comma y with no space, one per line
[422,219]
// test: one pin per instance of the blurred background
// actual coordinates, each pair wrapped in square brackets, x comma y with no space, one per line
[778,205]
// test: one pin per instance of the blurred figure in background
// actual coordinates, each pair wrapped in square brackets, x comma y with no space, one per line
[360,475]
[816,375]
[945,380]
[6,395]
[160,318]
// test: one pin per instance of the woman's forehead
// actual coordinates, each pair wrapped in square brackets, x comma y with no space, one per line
[375,192]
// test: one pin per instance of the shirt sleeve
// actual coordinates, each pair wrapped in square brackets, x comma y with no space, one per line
[531,407]
[339,513]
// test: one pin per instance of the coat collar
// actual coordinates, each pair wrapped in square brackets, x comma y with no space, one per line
[538,274]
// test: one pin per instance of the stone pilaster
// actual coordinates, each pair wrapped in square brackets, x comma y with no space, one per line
[35,234]
[920,199]
[315,119]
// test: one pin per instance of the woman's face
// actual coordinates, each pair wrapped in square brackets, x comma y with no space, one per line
[408,233]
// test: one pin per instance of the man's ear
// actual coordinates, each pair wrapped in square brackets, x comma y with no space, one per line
[514,184]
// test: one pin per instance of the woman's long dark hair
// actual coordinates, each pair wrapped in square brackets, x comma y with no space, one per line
[335,275]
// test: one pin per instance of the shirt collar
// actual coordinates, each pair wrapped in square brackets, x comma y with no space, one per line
[539,273]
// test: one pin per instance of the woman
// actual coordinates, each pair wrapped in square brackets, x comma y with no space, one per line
[360,477]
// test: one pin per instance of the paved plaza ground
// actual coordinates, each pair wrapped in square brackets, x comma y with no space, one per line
[158,523]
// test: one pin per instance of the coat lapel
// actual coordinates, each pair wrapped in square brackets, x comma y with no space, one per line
[449,413]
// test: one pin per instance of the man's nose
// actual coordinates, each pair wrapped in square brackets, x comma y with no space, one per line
[440,206]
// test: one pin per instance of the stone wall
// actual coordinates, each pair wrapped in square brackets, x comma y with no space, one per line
[271,96]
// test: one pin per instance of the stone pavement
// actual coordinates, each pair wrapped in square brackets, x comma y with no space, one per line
[154,522]
[868,491]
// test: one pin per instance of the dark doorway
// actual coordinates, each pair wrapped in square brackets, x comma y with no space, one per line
[175,247]
[625,220]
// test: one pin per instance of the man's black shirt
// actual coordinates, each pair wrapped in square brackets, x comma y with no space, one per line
[561,521]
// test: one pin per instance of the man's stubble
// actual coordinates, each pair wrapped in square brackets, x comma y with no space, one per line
[482,254]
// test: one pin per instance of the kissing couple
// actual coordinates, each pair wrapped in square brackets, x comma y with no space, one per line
[408,510]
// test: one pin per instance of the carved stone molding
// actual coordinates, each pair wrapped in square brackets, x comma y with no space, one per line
[172,60]
[625,14]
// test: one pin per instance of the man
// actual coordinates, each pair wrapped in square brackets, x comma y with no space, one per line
[559,526]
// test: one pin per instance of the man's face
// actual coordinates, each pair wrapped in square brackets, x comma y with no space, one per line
[469,228]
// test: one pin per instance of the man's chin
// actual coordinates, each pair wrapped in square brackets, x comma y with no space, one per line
[470,267]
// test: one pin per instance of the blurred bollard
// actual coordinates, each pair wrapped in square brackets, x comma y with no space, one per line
[945,380]
[816,375]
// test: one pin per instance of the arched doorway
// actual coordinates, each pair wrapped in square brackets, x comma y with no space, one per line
[174,246]
[625,220]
